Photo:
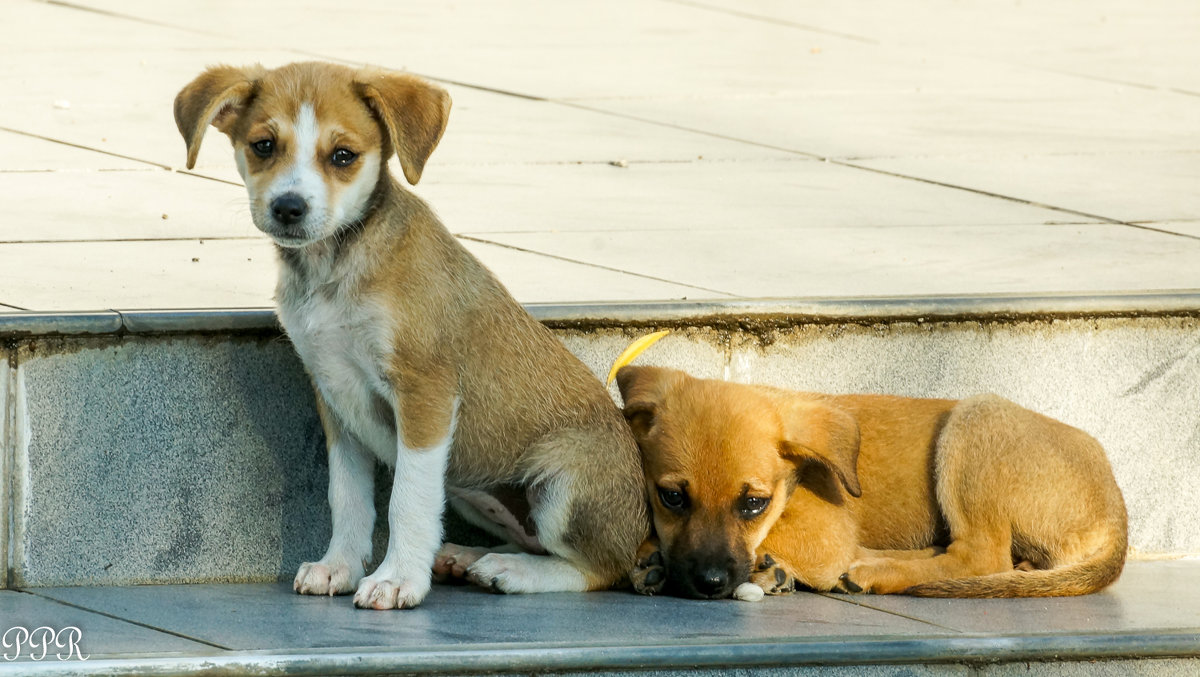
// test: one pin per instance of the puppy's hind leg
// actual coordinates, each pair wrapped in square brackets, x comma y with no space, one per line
[351,503]
[562,570]
[590,517]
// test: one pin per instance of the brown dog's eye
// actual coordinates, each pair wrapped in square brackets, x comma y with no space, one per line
[752,506]
[264,149]
[672,499]
[343,157]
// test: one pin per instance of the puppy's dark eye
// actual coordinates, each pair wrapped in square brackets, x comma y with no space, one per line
[343,158]
[752,506]
[264,148]
[672,499]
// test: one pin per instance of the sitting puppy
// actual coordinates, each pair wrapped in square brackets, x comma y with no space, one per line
[866,493]
[419,357]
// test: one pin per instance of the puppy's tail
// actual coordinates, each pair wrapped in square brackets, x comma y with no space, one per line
[1076,578]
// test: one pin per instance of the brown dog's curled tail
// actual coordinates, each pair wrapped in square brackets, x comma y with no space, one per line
[1077,578]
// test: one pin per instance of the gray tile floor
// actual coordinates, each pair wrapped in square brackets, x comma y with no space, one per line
[771,149]
[1154,605]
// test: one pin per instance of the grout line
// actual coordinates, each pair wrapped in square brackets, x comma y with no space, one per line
[862,605]
[1010,198]
[124,620]
[129,17]
[188,172]
[456,83]
[778,229]
[776,21]
[1100,78]
[852,165]
[205,238]
[570,103]
[594,265]
[152,163]
[83,147]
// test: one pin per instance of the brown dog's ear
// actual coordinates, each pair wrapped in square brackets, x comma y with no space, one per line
[642,389]
[824,434]
[413,111]
[217,96]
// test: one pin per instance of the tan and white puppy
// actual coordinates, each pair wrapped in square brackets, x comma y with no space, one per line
[419,357]
[972,498]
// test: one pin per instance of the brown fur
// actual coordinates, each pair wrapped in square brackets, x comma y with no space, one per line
[943,498]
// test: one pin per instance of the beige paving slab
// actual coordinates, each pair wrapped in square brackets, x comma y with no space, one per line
[732,197]
[1158,186]
[133,275]
[19,152]
[536,47]
[241,273]
[118,101]
[1053,115]
[917,261]
[488,128]
[100,205]
[121,103]
[635,49]
[1152,43]
[56,31]
[534,278]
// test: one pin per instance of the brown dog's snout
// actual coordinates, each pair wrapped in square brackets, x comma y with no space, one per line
[709,575]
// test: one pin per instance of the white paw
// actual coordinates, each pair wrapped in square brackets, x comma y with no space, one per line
[452,561]
[327,578]
[748,592]
[500,573]
[383,592]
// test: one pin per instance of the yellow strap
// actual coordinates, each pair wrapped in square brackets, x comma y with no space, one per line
[630,353]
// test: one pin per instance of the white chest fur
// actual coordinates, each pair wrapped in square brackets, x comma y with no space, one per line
[344,340]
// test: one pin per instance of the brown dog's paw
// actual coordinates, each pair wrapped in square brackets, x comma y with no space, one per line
[847,585]
[649,575]
[771,577]
[877,576]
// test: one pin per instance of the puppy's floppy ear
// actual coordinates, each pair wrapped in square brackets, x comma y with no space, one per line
[413,111]
[825,434]
[642,389]
[217,96]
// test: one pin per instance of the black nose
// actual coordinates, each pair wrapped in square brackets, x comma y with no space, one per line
[713,581]
[289,209]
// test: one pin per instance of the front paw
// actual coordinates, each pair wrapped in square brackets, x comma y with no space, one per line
[391,591]
[870,576]
[772,577]
[649,575]
[334,577]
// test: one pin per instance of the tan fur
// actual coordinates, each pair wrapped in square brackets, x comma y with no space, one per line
[454,356]
[971,498]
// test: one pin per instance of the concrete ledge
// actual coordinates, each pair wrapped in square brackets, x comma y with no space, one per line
[183,446]
[718,313]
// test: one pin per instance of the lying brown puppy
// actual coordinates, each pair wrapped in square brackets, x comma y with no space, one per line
[866,493]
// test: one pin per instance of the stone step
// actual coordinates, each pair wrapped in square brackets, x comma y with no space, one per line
[1146,624]
[183,446]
